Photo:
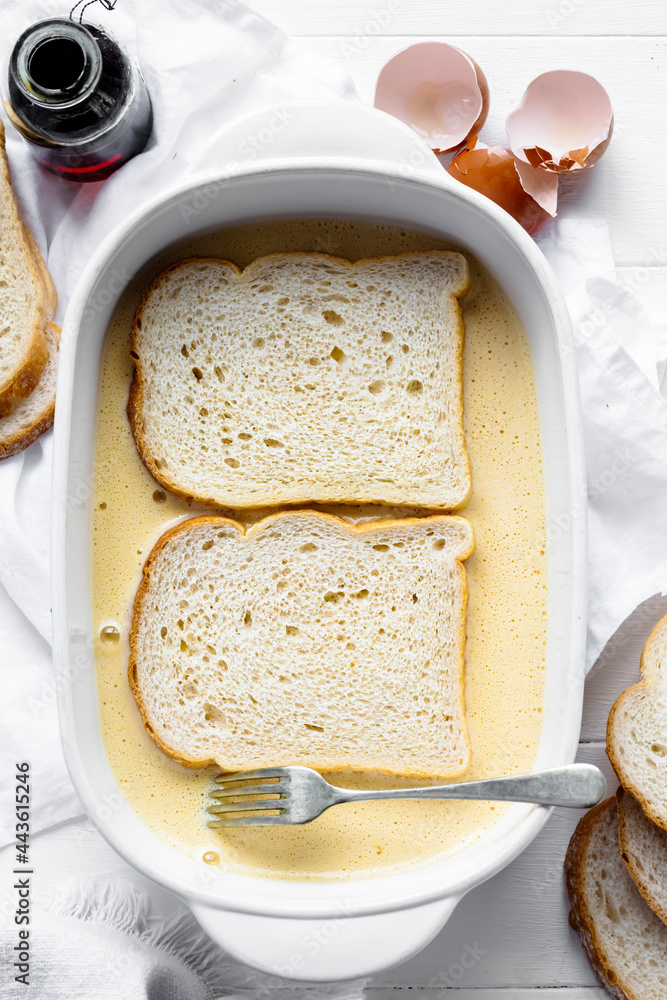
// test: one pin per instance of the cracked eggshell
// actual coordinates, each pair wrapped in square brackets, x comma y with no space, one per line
[436,89]
[563,123]
[527,194]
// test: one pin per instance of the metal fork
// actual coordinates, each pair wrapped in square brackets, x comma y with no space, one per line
[290,795]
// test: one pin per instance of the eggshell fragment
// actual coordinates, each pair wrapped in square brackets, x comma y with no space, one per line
[438,91]
[528,194]
[563,123]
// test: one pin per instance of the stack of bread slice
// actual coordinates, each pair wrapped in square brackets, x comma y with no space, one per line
[305,639]
[28,337]
[616,864]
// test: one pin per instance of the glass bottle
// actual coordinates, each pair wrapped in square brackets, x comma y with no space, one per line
[77,98]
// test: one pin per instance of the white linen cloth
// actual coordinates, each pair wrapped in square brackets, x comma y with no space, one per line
[625,428]
[188,50]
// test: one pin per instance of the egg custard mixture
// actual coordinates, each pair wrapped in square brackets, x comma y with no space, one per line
[507,579]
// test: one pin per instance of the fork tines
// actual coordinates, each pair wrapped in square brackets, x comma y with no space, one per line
[244,792]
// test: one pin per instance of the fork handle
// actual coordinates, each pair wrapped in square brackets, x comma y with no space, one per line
[578,786]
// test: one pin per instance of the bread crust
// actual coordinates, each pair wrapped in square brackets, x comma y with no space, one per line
[43,420]
[646,670]
[28,370]
[50,295]
[135,398]
[637,877]
[580,917]
[192,523]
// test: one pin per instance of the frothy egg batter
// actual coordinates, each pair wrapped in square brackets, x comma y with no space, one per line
[507,578]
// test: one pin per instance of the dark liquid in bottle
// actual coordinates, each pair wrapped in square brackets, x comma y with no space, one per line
[78,99]
[57,64]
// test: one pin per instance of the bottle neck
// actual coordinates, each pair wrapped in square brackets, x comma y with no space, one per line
[56,63]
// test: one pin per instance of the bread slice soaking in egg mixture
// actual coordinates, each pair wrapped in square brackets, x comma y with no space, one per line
[304,378]
[306,640]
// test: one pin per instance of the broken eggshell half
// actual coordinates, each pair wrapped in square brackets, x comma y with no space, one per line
[563,123]
[436,89]
[528,194]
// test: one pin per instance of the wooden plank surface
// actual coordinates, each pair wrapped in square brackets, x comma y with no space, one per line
[496,993]
[474,17]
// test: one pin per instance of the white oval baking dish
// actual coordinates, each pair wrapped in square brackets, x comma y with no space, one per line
[294,167]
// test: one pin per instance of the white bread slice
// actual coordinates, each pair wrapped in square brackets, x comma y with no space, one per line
[27,299]
[32,416]
[644,851]
[625,942]
[304,378]
[637,731]
[306,640]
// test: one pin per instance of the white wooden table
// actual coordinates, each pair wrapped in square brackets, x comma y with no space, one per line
[515,924]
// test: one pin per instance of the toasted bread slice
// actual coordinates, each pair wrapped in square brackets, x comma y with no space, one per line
[27,299]
[644,851]
[306,640]
[637,731]
[32,416]
[304,378]
[625,942]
